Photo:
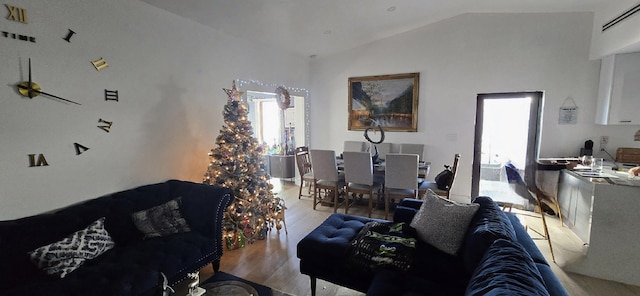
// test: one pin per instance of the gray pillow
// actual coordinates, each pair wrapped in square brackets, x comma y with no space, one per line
[443,223]
[64,256]
[161,220]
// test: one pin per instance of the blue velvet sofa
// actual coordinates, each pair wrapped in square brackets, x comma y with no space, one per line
[498,257]
[134,265]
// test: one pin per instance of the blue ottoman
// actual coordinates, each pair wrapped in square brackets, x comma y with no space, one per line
[323,253]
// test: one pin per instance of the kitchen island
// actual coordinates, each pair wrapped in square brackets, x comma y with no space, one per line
[606,217]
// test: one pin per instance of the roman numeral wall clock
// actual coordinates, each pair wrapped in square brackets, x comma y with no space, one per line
[37,82]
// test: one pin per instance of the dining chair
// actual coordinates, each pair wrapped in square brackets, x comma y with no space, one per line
[383,150]
[303,160]
[326,175]
[358,175]
[412,149]
[357,146]
[400,178]
[532,194]
[434,186]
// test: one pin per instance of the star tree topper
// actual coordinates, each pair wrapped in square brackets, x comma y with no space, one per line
[233,93]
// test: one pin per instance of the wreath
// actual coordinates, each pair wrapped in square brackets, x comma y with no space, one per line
[366,136]
[283,98]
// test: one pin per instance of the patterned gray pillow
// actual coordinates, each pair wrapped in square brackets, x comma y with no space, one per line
[161,220]
[443,223]
[64,256]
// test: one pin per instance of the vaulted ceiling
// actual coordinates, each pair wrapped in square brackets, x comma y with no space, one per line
[321,27]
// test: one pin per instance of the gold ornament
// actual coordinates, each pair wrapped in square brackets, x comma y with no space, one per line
[233,93]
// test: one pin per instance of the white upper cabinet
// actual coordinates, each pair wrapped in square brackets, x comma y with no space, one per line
[619,91]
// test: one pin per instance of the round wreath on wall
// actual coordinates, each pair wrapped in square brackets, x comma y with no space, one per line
[366,135]
[283,98]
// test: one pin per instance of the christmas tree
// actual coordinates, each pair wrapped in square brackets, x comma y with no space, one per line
[237,163]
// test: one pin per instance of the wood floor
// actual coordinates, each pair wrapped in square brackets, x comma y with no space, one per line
[273,262]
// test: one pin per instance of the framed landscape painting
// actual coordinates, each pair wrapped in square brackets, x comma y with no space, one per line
[390,101]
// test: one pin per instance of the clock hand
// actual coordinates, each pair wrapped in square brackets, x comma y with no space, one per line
[44,93]
[30,90]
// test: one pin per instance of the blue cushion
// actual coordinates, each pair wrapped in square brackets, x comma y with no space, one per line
[489,223]
[332,238]
[506,269]
[525,240]
[554,286]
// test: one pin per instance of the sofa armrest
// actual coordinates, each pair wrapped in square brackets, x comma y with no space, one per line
[405,211]
[203,205]
[411,203]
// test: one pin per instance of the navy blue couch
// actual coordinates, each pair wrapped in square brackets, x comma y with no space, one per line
[498,257]
[134,265]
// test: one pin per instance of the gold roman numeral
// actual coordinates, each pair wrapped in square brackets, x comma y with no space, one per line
[37,160]
[100,64]
[16,14]
[80,148]
[106,125]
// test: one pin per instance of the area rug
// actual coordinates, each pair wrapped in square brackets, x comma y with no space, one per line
[223,283]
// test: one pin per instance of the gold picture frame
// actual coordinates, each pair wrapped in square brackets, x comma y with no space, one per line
[390,101]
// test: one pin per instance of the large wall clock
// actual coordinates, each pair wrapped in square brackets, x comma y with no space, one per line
[56,69]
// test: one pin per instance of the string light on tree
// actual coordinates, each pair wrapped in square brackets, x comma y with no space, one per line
[237,163]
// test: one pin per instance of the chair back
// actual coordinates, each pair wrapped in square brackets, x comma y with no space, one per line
[303,160]
[358,168]
[357,146]
[518,185]
[383,150]
[324,165]
[401,171]
[412,149]
[454,170]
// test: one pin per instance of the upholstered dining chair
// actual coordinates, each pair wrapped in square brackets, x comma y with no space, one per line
[400,178]
[434,186]
[383,150]
[326,175]
[358,175]
[303,160]
[412,149]
[357,146]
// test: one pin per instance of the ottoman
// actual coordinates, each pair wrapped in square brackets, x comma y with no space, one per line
[324,253]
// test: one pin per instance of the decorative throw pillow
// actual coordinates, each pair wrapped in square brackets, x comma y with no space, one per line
[506,269]
[64,256]
[161,220]
[383,245]
[443,223]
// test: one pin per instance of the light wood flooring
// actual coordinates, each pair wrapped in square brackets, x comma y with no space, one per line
[273,262]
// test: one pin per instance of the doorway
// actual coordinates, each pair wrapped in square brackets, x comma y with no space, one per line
[507,130]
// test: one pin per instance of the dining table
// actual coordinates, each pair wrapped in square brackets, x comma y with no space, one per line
[379,167]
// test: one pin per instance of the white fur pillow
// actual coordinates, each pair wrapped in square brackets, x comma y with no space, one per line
[443,223]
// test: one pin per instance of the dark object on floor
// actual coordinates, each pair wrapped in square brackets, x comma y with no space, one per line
[323,255]
[134,265]
[547,209]
[223,283]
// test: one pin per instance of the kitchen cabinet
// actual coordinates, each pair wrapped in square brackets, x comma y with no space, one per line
[575,204]
[619,90]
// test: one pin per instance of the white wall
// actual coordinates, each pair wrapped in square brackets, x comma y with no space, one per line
[459,58]
[621,38]
[169,72]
